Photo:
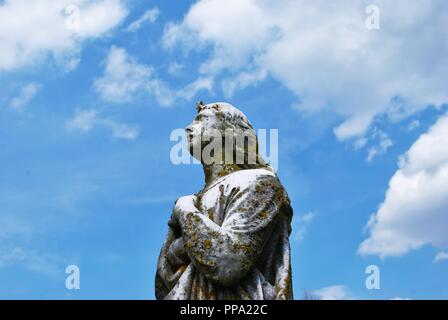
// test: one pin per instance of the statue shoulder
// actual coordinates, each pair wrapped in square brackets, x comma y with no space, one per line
[250,178]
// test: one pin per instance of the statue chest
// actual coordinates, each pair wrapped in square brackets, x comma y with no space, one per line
[215,201]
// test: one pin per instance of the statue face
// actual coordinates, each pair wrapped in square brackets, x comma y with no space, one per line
[220,132]
[201,130]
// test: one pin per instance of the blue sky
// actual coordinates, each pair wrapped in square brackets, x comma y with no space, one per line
[86,112]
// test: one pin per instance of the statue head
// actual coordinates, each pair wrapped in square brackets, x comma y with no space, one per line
[220,133]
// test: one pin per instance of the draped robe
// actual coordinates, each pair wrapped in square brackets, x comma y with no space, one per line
[236,244]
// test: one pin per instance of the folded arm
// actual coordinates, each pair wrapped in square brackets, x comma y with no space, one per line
[226,253]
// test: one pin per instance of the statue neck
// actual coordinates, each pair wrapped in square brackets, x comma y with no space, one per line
[213,172]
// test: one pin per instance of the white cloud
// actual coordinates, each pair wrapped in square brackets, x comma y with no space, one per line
[174,68]
[121,130]
[415,210]
[86,120]
[33,31]
[150,16]
[324,53]
[441,256]
[384,143]
[414,125]
[301,224]
[31,260]
[191,90]
[83,121]
[360,143]
[11,257]
[338,292]
[164,95]
[242,80]
[125,78]
[27,93]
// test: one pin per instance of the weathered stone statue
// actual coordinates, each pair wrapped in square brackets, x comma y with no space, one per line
[231,239]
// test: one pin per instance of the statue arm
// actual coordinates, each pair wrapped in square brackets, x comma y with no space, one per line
[226,253]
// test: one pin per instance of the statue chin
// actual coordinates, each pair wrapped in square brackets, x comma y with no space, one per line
[190,149]
[192,146]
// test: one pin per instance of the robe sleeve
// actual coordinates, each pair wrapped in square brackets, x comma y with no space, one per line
[167,275]
[226,253]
